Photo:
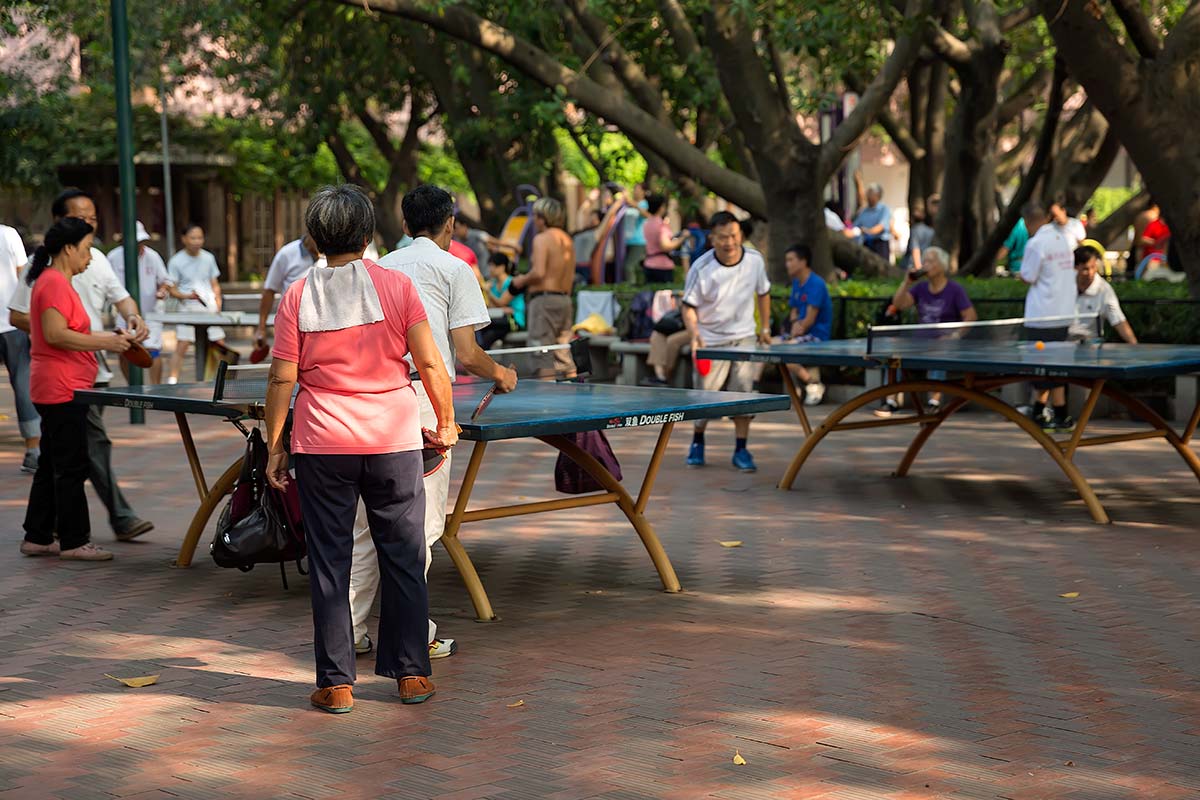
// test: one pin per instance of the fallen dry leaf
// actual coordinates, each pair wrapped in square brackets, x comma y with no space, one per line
[734,543]
[1069,595]
[737,758]
[517,704]
[135,683]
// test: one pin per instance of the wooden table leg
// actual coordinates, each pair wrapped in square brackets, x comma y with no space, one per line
[1085,414]
[797,401]
[208,504]
[458,554]
[189,447]
[660,449]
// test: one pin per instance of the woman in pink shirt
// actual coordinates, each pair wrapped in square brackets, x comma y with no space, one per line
[342,333]
[62,359]
[658,266]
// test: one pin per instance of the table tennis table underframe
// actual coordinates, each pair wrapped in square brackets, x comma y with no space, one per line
[614,493]
[974,388]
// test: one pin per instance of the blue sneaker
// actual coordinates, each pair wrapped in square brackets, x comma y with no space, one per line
[743,461]
[696,455]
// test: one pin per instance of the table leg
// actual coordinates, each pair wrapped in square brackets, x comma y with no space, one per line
[797,401]
[208,504]
[1190,429]
[201,351]
[458,554]
[1085,414]
[189,447]
[666,572]
[660,449]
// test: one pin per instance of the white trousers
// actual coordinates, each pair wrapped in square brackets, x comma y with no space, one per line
[364,569]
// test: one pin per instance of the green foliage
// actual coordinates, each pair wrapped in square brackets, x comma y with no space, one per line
[1108,199]
[618,158]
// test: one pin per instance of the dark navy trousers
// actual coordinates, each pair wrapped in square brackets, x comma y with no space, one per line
[393,491]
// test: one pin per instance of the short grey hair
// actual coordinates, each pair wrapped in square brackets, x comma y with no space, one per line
[937,253]
[877,188]
[340,219]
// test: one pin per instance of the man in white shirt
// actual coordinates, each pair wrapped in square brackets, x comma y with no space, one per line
[1096,296]
[96,286]
[152,274]
[291,263]
[14,348]
[1070,227]
[719,298]
[455,309]
[1049,269]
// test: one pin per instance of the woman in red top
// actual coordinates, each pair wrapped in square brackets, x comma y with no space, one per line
[62,360]
[353,335]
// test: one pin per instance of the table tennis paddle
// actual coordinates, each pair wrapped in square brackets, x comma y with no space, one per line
[432,456]
[137,355]
[703,366]
[261,350]
[484,403]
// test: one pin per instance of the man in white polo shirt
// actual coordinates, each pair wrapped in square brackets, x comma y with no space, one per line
[14,347]
[719,298]
[1049,269]
[455,309]
[96,287]
[1096,296]
[291,263]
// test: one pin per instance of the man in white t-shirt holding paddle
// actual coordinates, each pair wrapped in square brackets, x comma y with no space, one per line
[1049,269]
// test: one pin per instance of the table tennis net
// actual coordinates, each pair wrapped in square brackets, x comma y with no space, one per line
[1079,328]
[249,381]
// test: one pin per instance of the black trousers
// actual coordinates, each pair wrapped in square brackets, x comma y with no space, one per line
[497,330]
[57,502]
[393,490]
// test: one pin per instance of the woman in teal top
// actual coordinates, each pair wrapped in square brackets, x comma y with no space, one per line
[498,295]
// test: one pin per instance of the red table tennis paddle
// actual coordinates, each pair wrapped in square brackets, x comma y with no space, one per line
[261,350]
[703,366]
[432,456]
[137,355]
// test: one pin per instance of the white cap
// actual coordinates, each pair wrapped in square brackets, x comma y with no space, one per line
[142,236]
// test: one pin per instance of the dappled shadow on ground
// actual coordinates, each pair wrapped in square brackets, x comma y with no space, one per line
[964,632]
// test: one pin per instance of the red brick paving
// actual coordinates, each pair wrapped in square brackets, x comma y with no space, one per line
[874,638]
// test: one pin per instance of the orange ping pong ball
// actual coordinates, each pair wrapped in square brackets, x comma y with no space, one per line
[1040,345]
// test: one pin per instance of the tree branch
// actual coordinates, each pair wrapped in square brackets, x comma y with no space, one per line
[1144,39]
[1014,19]
[465,25]
[985,256]
[378,132]
[777,68]
[872,101]
[899,133]
[346,162]
[948,46]
[640,86]
[682,33]
[587,152]
[1021,97]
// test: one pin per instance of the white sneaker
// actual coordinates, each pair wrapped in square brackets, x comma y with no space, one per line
[814,393]
[172,381]
[441,648]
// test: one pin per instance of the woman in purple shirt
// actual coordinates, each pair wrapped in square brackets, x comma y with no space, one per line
[937,299]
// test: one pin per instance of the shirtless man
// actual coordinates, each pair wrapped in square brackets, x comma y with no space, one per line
[549,281]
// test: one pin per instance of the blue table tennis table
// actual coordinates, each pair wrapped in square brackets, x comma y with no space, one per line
[976,368]
[543,410]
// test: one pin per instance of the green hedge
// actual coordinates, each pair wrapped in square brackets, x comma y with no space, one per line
[1154,309]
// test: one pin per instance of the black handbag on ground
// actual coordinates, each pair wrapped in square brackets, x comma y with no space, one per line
[259,524]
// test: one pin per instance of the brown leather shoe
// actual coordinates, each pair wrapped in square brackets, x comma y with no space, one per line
[334,699]
[415,689]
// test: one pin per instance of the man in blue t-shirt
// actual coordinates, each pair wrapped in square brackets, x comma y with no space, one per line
[810,318]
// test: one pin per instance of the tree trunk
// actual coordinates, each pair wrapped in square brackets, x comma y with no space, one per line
[934,164]
[962,217]
[918,99]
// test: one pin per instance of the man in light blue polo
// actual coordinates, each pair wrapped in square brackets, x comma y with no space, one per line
[875,223]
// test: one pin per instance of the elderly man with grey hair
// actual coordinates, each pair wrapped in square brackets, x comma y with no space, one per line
[937,299]
[875,222]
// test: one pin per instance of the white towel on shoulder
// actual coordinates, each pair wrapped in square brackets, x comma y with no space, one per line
[336,298]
